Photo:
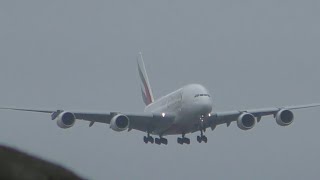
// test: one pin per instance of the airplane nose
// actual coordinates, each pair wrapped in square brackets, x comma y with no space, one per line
[205,106]
[208,105]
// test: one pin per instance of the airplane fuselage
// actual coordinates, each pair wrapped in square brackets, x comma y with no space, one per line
[189,105]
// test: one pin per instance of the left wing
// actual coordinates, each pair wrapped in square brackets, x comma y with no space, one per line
[145,122]
[283,115]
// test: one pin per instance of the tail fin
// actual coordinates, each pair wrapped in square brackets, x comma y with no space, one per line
[145,85]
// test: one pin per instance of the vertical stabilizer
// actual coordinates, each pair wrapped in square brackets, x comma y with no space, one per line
[145,84]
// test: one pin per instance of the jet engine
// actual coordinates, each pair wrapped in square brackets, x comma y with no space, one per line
[119,123]
[284,117]
[66,120]
[246,121]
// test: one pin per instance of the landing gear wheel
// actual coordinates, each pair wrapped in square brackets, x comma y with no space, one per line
[204,139]
[145,139]
[183,140]
[199,139]
[164,141]
[186,140]
[158,141]
[150,139]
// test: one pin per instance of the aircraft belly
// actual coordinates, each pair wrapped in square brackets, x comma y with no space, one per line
[183,124]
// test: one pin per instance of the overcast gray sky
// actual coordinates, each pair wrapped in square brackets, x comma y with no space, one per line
[80,55]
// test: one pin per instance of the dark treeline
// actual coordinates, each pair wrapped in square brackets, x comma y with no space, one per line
[16,165]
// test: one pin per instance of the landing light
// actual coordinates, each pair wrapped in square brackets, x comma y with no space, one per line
[163,114]
[209,114]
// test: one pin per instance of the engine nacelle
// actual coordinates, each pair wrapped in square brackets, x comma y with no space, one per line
[119,123]
[284,117]
[246,121]
[66,120]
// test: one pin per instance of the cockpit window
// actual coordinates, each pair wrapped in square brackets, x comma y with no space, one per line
[199,95]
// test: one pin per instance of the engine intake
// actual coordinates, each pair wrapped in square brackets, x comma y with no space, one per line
[66,120]
[119,123]
[246,121]
[284,117]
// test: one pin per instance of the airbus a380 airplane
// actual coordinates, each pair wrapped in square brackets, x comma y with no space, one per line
[186,110]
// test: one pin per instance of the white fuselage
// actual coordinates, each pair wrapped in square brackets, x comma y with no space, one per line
[189,105]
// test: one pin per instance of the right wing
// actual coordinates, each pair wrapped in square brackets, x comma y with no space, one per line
[230,116]
[146,122]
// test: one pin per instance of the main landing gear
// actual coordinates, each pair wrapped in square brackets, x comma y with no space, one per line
[158,141]
[148,139]
[161,140]
[183,140]
[202,138]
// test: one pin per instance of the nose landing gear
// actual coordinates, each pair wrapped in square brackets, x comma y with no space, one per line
[202,138]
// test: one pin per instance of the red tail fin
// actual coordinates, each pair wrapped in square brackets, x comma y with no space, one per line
[147,95]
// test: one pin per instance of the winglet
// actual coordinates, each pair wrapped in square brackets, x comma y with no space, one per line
[147,94]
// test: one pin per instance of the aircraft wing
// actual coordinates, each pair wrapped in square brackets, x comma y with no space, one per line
[230,116]
[140,121]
